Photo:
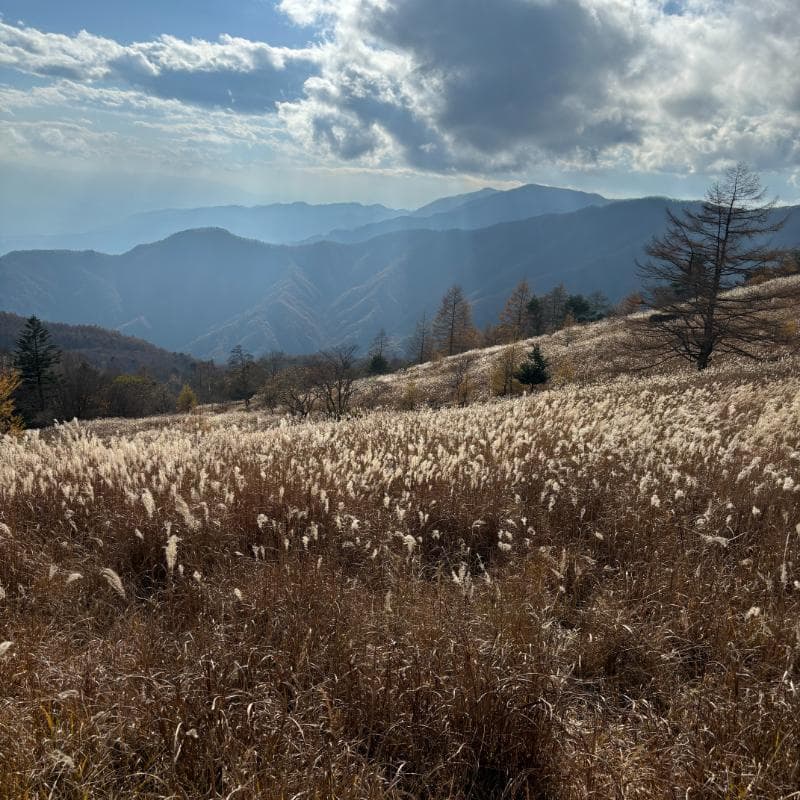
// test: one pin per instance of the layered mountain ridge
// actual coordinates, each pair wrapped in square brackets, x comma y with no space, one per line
[205,290]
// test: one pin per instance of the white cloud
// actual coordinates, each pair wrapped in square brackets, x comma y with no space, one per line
[230,73]
[82,56]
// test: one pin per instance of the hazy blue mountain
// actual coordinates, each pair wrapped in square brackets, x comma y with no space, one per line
[478,210]
[279,223]
[104,349]
[288,223]
[449,203]
[204,291]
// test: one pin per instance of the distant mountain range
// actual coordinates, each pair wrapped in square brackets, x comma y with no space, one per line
[479,210]
[202,291]
[103,349]
[278,223]
[290,223]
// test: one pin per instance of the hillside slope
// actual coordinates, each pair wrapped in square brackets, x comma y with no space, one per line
[582,354]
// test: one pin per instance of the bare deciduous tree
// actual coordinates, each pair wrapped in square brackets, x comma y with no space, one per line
[420,345]
[460,378]
[291,389]
[333,373]
[380,344]
[692,268]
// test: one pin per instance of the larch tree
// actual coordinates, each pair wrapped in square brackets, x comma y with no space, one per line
[10,423]
[693,272]
[503,377]
[419,348]
[241,365]
[453,330]
[515,318]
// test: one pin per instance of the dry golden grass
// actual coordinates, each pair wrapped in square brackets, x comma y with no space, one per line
[592,592]
[578,354]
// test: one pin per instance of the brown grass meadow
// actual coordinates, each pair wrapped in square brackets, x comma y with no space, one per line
[590,592]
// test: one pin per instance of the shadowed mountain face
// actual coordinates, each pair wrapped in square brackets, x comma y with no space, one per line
[204,291]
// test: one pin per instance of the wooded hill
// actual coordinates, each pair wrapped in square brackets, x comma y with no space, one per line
[106,350]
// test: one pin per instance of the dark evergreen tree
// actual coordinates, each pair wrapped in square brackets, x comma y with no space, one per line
[579,307]
[378,365]
[534,370]
[35,358]
[536,316]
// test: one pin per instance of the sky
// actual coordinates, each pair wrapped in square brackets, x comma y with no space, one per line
[109,107]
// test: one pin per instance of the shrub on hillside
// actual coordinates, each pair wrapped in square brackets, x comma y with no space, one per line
[187,400]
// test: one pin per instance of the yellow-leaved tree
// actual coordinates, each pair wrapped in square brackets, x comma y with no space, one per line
[187,400]
[9,422]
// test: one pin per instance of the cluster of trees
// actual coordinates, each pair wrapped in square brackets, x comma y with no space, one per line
[452,331]
[324,382]
[40,383]
[689,279]
[43,383]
